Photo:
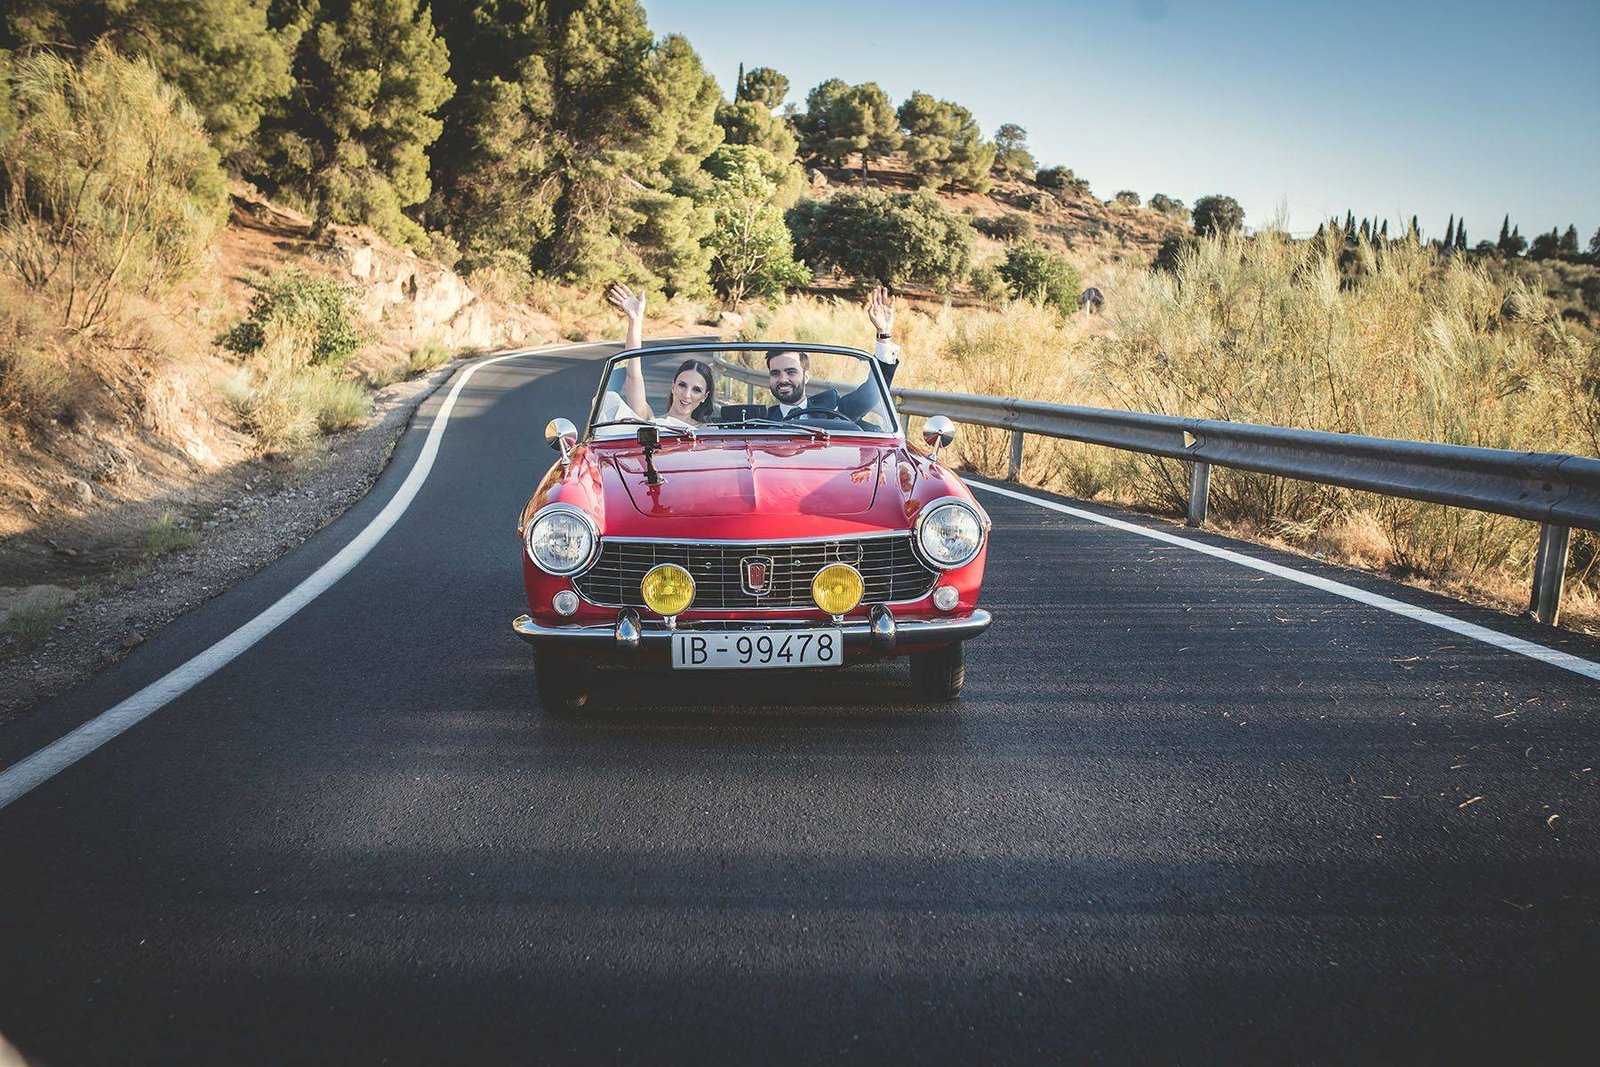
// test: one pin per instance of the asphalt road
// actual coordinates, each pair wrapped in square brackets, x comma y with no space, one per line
[1186,812]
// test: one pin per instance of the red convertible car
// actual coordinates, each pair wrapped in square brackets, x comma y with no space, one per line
[806,535]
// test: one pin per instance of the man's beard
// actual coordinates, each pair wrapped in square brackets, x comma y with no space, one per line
[787,392]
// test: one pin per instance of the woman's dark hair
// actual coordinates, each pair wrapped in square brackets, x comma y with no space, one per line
[703,411]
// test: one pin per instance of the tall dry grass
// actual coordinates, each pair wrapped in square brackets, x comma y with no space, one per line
[1390,341]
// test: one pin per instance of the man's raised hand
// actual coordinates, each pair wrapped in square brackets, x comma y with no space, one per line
[880,309]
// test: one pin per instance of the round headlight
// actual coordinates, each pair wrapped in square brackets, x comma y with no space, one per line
[837,588]
[668,589]
[949,534]
[561,540]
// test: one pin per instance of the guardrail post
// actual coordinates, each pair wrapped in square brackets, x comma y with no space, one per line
[1199,492]
[1550,572]
[1014,464]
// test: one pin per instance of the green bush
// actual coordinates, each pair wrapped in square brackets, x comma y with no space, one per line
[1007,227]
[1216,215]
[1127,198]
[987,283]
[110,181]
[1061,180]
[888,240]
[1033,272]
[315,309]
[427,357]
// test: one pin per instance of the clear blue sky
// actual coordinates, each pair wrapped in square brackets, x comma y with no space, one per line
[1388,109]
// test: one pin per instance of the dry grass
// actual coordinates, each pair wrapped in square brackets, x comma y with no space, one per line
[285,401]
[1272,331]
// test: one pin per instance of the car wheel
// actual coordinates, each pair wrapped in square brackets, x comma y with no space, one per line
[938,675]
[563,685]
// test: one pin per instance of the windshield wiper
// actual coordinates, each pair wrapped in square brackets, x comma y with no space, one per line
[773,425]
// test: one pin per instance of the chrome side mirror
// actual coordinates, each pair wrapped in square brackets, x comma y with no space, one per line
[938,431]
[562,435]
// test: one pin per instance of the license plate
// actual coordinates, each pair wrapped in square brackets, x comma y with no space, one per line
[738,650]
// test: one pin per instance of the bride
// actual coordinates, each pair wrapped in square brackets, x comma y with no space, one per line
[693,385]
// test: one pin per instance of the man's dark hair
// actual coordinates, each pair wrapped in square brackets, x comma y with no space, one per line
[805,359]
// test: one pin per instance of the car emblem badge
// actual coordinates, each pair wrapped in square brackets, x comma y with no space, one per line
[756,572]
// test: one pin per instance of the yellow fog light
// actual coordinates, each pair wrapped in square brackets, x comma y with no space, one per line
[837,588]
[668,589]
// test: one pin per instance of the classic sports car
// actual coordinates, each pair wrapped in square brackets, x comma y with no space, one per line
[749,538]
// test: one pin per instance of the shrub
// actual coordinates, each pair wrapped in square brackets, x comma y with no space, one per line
[1033,272]
[1127,198]
[110,181]
[502,276]
[1173,246]
[1061,180]
[1168,205]
[166,535]
[890,240]
[1214,215]
[987,283]
[296,303]
[427,357]
[1007,227]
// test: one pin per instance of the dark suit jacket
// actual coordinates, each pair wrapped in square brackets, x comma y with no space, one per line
[856,403]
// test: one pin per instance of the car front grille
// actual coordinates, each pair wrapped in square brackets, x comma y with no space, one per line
[889,569]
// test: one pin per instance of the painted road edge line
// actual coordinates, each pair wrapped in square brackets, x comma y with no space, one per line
[24,775]
[1551,656]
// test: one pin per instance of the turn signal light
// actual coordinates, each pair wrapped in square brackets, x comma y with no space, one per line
[837,588]
[668,589]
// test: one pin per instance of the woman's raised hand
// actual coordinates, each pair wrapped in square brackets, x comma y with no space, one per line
[626,301]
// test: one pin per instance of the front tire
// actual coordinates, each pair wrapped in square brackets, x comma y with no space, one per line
[939,674]
[562,683]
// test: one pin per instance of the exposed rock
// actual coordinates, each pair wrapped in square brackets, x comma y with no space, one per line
[730,320]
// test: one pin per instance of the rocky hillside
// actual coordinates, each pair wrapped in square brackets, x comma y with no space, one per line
[129,429]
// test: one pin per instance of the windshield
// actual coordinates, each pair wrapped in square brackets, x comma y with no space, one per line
[777,389]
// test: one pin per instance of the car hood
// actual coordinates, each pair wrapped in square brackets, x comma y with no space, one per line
[706,477]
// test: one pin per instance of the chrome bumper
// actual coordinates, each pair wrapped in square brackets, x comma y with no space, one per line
[881,633]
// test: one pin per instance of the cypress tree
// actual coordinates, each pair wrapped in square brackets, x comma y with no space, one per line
[1569,242]
[1461,234]
[1505,233]
[1450,233]
[1416,233]
[1349,222]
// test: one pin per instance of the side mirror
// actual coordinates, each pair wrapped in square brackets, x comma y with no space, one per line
[938,431]
[561,435]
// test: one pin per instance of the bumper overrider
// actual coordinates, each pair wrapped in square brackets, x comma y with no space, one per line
[880,634]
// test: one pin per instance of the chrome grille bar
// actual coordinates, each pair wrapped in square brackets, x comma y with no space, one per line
[889,568]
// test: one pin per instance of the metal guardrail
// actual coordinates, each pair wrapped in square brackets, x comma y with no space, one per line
[1556,490]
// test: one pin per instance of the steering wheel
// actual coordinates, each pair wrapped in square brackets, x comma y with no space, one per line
[827,414]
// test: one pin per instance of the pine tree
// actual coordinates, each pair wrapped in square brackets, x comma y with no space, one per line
[1569,242]
[353,137]
[577,141]
[221,53]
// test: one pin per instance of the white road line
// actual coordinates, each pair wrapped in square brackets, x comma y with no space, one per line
[57,756]
[1553,657]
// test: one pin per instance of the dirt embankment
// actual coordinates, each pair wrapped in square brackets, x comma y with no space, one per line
[140,492]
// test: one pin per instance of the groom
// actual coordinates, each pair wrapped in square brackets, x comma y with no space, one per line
[788,371]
